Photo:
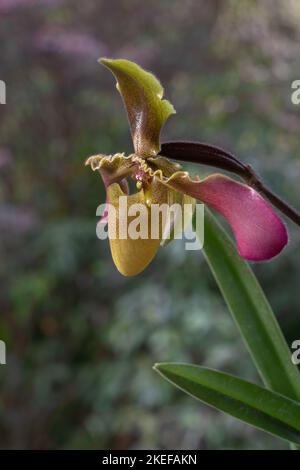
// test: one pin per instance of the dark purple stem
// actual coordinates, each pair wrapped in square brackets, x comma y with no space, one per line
[206,154]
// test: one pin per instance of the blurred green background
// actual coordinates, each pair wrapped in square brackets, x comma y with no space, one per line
[81,339]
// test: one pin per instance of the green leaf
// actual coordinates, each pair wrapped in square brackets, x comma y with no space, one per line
[251,311]
[142,94]
[246,401]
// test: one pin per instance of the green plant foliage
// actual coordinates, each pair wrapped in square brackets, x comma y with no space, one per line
[250,403]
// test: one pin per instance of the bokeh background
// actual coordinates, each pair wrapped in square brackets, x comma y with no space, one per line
[81,339]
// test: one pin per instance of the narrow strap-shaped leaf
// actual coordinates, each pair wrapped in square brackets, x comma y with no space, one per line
[251,311]
[246,401]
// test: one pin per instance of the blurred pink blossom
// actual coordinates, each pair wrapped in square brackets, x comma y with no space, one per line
[68,42]
[5,158]
[6,6]
[16,220]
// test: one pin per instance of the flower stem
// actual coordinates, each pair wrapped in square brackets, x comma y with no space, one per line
[206,154]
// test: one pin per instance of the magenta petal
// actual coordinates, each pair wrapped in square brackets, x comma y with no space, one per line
[260,234]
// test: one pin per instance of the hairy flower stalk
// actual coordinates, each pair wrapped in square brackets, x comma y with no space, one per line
[259,232]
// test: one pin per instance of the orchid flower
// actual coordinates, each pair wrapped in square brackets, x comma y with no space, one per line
[259,232]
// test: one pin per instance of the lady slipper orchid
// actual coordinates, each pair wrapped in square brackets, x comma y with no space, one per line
[259,232]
